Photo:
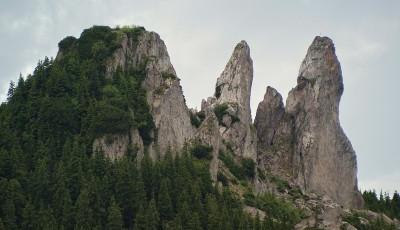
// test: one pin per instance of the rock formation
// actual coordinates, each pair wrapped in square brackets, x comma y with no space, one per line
[117,145]
[208,133]
[301,142]
[231,103]
[164,93]
[269,114]
[318,153]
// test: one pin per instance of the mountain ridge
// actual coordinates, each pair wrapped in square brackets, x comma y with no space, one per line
[127,102]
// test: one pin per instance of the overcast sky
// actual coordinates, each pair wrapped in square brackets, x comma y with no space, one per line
[200,36]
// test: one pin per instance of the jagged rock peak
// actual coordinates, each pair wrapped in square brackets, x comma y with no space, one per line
[322,70]
[232,100]
[269,114]
[234,84]
[324,157]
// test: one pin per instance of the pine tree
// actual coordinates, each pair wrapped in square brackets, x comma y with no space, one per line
[46,220]
[125,190]
[185,215]
[140,193]
[11,90]
[152,217]
[175,224]
[15,191]
[114,220]
[164,201]
[40,181]
[83,211]
[28,216]
[67,219]
[147,174]
[8,210]
[213,218]
[59,191]
[257,222]
[73,167]
[395,205]
[194,222]
[2,227]
[140,220]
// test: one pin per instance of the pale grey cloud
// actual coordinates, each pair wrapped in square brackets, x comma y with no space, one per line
[200,36]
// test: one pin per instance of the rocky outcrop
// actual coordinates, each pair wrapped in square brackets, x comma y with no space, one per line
[269,114]
[320,212]
[302,141]
[208,133]
[234,84]
[114,146]
[318,153]
[324,157]
[164,94]
[231,103]
[275,136]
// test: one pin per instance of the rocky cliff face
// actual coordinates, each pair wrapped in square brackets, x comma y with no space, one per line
[301,142]
[164,94]
[318,153]
[269,114]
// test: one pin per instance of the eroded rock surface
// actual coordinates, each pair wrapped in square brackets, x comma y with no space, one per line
[324,157]
[232,94]
[270,112]
[319,154]
[164,93]
[114,146]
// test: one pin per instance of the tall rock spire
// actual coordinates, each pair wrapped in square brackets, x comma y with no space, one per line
[234,84]
[320,157]
[233,90]
[325,158]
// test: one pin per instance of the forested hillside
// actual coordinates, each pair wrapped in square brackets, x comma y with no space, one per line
[51,179]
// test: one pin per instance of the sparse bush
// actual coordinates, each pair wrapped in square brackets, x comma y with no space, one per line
[280,213]
[220,110]
[197,118]
[166,76]
[217,93]
[233,167]
[248,166]
[67,42]
[222,178]
[201,151]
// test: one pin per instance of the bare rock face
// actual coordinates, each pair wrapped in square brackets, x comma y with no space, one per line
[320,156]
[324,157]
[164,93]
[234,84]
[270,112]
[114,146]
[233,90]
[208,133]
[275,136]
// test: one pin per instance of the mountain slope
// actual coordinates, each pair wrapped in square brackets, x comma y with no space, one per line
[101,138]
